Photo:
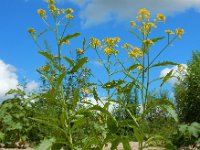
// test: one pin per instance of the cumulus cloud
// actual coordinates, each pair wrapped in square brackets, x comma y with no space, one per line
[94,12]
[9,80]
[176,73]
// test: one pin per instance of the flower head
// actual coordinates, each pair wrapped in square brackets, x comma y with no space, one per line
[133,24]
[42,13]
[52,8]
[161,17]
[135,52]
[69,10]
[148,42]
[51,2]
[108,51]
[169,31]
[179,32]
[31,31]
[80,50]
[143,14]
[94,43]
[69,16]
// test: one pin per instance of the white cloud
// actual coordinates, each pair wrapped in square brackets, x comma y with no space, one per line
[31,86]
[176,73]
[9,80]
[94,12]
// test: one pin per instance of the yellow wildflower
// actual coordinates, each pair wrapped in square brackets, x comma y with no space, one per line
[161,17]
[52,8]
[69,16]
[169,31]
[86,90]
[31,31]
[108,51]
[148,42]
[117,39]
[69,10]
[143,14]
[133,24]
[51,1]
[140,67]
[79,50]
[135,52]
[179,32]
[44,68]
[42,13]
[94,43]
[181,67]
[151,25]
[126,45]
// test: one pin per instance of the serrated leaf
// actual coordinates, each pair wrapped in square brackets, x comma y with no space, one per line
[46,144]
[79,64]
[68,60]
[158,39]
[112,84]
[70,36]
[164,63]
[166,78]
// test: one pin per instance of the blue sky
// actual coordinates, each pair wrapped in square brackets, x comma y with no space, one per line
[93,18]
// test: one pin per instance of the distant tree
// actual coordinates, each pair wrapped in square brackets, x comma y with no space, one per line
[187,92]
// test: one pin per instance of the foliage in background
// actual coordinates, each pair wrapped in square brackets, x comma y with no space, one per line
[187,92]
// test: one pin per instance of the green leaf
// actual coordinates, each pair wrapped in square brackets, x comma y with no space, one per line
[84,42]
[112,84]
[60,79]
[171,111]
[79,64]
[134,66]
[115,143]
[164,63]
[49,57]
[71,62]
[46,144]
[126,144]
[76,99]
[158,39]
[167,77]
[70,36]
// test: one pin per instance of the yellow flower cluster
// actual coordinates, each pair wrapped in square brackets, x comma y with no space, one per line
[44,68]
[135,52]
[179,32]
[169,31]
[80,50]
[161,17]
[111,41]
[143,14]
[86,90]
[148,42]
[108,51]
[42,13]
[94,43]
[181,67]
[69,10]
[52,2]
[69,16]
[133,24]
[31,31]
